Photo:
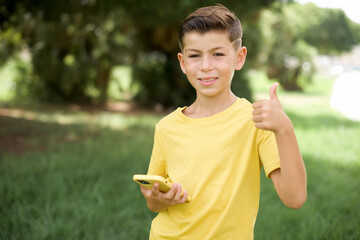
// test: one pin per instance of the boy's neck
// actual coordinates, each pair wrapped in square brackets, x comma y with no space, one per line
[208,106]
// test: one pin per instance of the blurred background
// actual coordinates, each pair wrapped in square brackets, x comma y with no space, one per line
[83,83]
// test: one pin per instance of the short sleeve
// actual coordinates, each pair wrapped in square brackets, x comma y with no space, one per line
[268,151]
[157,164]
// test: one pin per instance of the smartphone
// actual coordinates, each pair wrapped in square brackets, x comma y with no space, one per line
[148,181]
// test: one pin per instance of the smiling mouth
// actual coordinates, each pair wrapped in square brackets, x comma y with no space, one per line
[208,81]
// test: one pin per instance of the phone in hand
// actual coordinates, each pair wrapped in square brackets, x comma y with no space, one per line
[148,181]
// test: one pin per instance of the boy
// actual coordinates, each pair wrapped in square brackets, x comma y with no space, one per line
[216,147]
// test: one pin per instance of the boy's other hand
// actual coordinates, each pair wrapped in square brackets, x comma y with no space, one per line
[269,114]
[159,201]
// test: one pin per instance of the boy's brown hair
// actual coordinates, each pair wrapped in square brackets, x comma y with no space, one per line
[212,18]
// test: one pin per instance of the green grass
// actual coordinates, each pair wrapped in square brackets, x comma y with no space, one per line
[67,174]
[80,186]
[330,147]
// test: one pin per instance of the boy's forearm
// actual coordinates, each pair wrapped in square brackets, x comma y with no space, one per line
[291,186]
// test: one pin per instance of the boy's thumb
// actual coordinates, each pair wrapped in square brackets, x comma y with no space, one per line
[273,95]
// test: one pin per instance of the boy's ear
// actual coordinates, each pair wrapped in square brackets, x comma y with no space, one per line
[240,58]
[181,61]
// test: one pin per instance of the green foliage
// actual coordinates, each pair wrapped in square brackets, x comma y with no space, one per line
[11,39]
[162,81]
[327,29]
[294,33]
[73,47]
[240,85]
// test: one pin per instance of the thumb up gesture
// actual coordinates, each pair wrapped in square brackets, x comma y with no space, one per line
[269,115]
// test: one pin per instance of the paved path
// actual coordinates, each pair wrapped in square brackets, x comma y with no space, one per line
[346,95]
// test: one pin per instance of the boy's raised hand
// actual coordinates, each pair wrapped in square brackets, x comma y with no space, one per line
[159,201]
[269,115]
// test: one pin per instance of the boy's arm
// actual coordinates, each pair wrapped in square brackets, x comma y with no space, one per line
[290,179]
[158,201]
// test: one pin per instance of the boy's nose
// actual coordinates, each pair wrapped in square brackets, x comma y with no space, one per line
[206,64]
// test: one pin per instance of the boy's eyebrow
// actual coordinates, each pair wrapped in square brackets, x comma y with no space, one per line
[212,49]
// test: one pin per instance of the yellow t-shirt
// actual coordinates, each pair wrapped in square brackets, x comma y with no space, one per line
[218,160]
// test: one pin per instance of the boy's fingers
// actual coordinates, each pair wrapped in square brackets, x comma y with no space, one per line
[175,192]
[180,196]
[184,196]
[173,196]
[155,190]
[257,111]
[261,125]
[145,191]
[257,118]
[171,193]
[178,192]
[259,104]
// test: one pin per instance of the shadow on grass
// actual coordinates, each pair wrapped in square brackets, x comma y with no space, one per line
[72,181]
[321,121]
[331,211]
[19,135]
[332,160]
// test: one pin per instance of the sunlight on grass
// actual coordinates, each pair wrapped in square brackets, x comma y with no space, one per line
[104,119]
[331,139]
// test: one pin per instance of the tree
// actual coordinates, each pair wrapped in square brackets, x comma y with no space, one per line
[75,44]
[294,33]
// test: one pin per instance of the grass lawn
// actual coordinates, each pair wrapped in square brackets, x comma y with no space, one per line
[330,147]
[67,174]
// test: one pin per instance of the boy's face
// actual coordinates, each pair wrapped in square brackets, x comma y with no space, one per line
[209,61]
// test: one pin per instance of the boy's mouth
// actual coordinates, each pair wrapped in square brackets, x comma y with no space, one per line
[207,81]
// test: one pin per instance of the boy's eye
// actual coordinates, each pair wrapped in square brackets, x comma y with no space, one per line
[194,55]
[219,54]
